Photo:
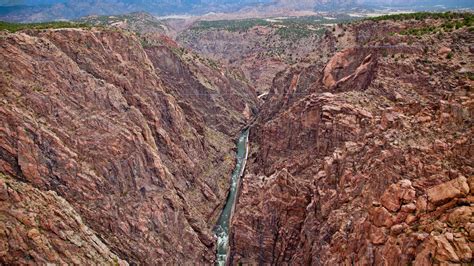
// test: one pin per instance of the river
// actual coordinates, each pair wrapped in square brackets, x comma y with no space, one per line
[222,227]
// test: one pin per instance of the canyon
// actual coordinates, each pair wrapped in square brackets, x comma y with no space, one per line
[261,48]
[118,142]
[365,159]
[119,132]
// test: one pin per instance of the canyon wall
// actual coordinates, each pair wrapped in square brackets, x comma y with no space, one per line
[137,140]
[367,159]
[117,147]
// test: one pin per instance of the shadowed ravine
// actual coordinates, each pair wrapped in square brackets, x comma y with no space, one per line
[222,227]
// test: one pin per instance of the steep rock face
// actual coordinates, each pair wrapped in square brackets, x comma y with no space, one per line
[85,113]
[260,51]
[42,227]
[367,161]
[199,84]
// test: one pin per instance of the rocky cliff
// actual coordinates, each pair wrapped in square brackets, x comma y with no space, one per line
[135,141]
[261,48]
[367,158]
[117,147]
[46,226]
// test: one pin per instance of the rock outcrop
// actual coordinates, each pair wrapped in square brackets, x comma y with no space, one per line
[42,227]
[91,115]
[260,49]
[366,160]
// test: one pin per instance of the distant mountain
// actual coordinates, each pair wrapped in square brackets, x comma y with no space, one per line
[44,10]
[348,4]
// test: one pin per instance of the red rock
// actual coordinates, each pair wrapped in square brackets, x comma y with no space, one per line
[377,235]
[423,119]
[443,51]
[470,181]
[461,215]
[36,243]
[398,228]
[408,208]
[421,204]
[444,192]
[381,217]
[390,200]
[446,251]
[307,135]
[411,219]
[139,141]
[470,230]
[113,130]
[396,194]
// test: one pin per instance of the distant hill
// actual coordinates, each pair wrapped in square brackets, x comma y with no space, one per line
[46,10]
[43,10]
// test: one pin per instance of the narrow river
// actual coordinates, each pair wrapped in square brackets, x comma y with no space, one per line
[222,227]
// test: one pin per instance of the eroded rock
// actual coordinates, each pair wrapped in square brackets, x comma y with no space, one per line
[446,191]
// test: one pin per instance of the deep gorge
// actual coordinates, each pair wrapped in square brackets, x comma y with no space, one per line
[118,147]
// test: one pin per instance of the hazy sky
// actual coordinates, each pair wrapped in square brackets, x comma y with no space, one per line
[178,2]
[188,5]
[29,2]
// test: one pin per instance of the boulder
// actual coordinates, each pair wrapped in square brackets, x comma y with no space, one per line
[398,228]
[444,51]
[421,204]
[444,250]
[450,249]
[396,194]
[377,235]
[461,215]
[446,191]
[381,217]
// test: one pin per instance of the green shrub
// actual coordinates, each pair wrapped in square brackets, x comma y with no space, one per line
[471,76]
[452,21]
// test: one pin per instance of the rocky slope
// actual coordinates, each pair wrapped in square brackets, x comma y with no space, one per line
[42,227]
[117,147]
[135,138]
[263,47]
[139,22]
[367,158]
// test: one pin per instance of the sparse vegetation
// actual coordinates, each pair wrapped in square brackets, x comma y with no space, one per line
[450,22]
[14,27]
[292,29]
[231,25]
[471,76]
[138,22]
[424,15]
[296,33]
[145,43]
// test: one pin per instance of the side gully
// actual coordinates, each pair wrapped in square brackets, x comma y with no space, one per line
[222,228]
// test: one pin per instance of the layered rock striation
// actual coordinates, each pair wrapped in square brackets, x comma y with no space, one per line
[366,159]
[138,141]
[42,227]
